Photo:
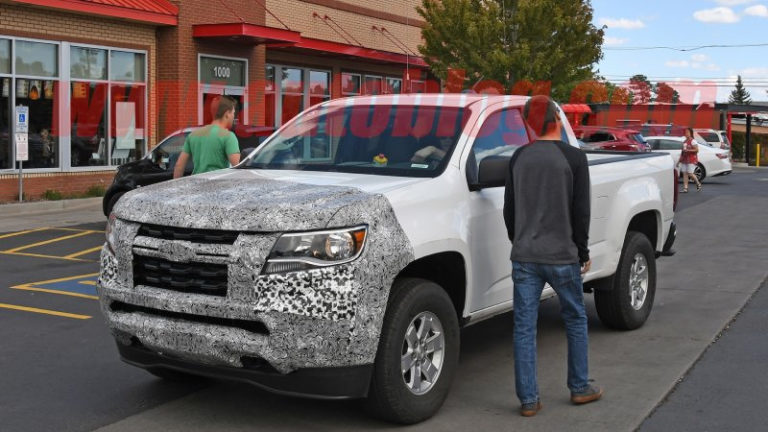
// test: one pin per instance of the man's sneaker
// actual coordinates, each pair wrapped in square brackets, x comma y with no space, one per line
[530,409]
[591,394]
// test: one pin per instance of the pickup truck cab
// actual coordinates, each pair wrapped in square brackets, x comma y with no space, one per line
[342,257]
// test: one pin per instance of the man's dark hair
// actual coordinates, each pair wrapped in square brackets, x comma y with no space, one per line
[540,112]
[223,105]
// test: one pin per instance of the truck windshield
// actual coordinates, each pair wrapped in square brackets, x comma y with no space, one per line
[392,140]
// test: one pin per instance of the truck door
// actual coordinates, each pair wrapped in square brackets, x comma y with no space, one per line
[502,132]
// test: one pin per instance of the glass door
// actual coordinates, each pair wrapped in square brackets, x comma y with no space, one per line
[211,93]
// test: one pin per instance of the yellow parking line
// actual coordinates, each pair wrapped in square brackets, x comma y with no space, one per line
[85,252]
[44,311]
[74,230]
[64,279]
[22,232]
[57,239]
[50,291]
[45,256]
[88,282]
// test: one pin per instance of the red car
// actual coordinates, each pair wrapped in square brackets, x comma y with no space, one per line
[611,139]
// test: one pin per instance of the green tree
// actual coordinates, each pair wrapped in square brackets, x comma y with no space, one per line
[740,95]
[509,41]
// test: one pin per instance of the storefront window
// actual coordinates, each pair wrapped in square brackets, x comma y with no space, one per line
[6,156]
[292,86]
[394,86]
[89,124]
[88,63]
[269,97]
[41,97]
[372,85]
[37,58]
[319,87]
[126,66]
[5,56]
[350,84]
[127,109]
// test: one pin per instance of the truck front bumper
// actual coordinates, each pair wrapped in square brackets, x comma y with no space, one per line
[321,383]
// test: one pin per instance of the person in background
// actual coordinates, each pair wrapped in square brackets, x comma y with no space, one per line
[212,147]
[689,160]
[49,151]
[547,214]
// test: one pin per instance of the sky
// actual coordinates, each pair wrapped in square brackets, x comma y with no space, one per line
[699,74]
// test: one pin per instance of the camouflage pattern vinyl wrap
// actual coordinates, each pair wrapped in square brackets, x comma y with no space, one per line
[327,317]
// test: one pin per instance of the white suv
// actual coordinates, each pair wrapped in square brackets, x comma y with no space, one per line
[713,138]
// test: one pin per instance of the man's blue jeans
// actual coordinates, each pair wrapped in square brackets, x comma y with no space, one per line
[529,280]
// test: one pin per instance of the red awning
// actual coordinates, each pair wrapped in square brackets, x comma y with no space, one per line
[246,33]
[277,38]
[161,12]
[576,109]
[345,50]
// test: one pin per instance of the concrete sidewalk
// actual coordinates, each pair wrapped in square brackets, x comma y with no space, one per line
[24,216]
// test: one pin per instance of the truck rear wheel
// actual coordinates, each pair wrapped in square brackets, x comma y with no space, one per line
[418,353]
[628,302]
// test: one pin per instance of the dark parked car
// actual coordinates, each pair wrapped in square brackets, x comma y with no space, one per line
[158,164]
[611,139]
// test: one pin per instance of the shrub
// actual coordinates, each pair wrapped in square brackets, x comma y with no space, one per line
[52,195]
[95,191]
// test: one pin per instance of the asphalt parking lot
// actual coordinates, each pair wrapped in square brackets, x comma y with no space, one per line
[61,370]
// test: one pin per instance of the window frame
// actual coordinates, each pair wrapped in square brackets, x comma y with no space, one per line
[222,89]
[278,87]
[110,83]
[65,101]
[12,94]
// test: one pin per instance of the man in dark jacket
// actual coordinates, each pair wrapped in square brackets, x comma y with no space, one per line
[547,211]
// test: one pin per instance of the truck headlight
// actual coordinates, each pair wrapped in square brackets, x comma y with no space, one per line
[109,232]
[304,251]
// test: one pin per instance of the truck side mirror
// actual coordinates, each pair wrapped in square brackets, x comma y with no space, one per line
[492,173]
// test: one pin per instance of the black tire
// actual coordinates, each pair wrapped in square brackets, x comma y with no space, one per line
[389,397]
[700,172]
[613,305]
[112,201]
[174,375]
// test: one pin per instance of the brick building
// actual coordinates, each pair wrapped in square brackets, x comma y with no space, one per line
[105,80]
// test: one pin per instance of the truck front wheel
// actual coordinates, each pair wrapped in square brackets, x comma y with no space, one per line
[628,301]
[418,353]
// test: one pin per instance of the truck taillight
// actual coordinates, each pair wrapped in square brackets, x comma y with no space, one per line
[676,175]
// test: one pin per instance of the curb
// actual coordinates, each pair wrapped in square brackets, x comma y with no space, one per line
[15,209]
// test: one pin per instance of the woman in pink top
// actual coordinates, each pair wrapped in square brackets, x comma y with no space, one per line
[689,160]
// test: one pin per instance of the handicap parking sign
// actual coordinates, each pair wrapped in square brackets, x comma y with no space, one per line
[22,119]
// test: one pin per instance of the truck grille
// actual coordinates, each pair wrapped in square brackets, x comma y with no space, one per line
[195,278]
[189,234]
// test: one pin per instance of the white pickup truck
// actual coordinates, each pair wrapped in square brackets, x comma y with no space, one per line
[341,258]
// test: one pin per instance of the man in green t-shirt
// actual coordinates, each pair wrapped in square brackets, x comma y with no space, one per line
[212,147]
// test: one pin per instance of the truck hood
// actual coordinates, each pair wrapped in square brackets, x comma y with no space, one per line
[253,200]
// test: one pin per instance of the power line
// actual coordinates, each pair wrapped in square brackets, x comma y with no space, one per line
[689,79]
[685,48]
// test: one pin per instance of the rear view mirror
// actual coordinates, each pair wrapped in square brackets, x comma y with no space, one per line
[492,173]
